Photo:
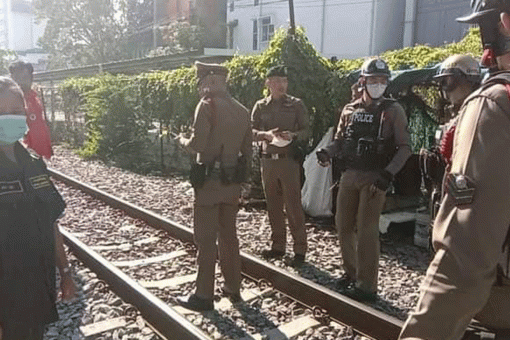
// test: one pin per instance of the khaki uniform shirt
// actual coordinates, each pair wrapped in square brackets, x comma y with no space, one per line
[394,125]
[221,130]
[287,113]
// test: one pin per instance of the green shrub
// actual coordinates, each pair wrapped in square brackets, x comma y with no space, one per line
[121,109]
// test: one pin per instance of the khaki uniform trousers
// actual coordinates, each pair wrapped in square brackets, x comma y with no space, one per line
[357,221]
[282,187]
[215,213]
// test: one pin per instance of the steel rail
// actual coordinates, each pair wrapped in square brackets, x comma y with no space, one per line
[362,318]
[167,321]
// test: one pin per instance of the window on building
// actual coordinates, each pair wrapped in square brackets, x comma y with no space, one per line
[255,35]
[266,29]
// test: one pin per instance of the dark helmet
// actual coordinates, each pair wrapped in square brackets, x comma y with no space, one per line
[486,15]
[375,67]
[482,9]
[460,65]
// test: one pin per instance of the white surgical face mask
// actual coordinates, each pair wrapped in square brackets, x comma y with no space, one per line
[12,128]
[376,90]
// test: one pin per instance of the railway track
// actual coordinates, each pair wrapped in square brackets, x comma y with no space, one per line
[313,306]
[324,305]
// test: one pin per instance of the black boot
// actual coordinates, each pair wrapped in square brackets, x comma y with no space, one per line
[272,254]
[197,304]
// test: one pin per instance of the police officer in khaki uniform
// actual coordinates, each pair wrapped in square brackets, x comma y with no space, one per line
[278,121]
[458,76]
[221,137]
[372,141]
[468,276]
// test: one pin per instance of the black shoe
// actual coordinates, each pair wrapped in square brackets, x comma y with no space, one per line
[297,261]
[344,282]
[272,254]
[197,304]
[233,297]
[360,295]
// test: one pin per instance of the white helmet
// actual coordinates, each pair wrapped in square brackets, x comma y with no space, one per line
[460,65]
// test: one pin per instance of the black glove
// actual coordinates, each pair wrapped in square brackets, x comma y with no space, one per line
[323,156]
[383,180]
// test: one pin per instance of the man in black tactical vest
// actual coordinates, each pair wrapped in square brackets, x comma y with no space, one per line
[372,142]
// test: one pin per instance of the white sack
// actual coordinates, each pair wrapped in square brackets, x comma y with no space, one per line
[316,195]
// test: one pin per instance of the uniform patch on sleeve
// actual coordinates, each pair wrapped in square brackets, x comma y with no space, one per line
[39,182]
[10,187]
[461,188]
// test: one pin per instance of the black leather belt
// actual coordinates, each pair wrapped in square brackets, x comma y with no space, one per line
[274,155]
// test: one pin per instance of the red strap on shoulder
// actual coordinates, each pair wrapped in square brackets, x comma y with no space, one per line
[446,148]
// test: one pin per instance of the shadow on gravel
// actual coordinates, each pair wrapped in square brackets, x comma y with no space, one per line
[256,321]
[398,244]
[324,278]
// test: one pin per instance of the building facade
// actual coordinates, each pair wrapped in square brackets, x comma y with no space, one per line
[18,28]
[20,32]
[347,28]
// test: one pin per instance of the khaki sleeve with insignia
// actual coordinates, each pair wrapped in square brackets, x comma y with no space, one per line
[256,122]
[402,139]
[201,127]
[343,121]
[246,146]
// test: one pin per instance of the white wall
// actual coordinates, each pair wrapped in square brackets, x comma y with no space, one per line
[22,33]
[341,28]
[348,29]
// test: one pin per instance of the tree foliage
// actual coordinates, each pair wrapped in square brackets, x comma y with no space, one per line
[139,26]
[6,58]
[82,32]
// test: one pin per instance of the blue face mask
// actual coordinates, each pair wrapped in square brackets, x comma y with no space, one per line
[12,128]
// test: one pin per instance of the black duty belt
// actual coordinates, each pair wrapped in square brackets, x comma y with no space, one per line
[273,156]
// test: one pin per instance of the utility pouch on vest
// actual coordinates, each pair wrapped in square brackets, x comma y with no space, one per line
[366,147]
[197,175]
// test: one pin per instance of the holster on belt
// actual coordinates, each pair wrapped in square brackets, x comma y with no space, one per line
[197,175]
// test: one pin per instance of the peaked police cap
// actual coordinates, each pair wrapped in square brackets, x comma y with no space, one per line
[204,70]
[277,71]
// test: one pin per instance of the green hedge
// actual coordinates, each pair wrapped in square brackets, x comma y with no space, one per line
[120,109]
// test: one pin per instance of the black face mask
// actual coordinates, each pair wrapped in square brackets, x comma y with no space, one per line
[494,43]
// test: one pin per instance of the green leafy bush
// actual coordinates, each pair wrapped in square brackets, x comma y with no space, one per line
[121,109]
